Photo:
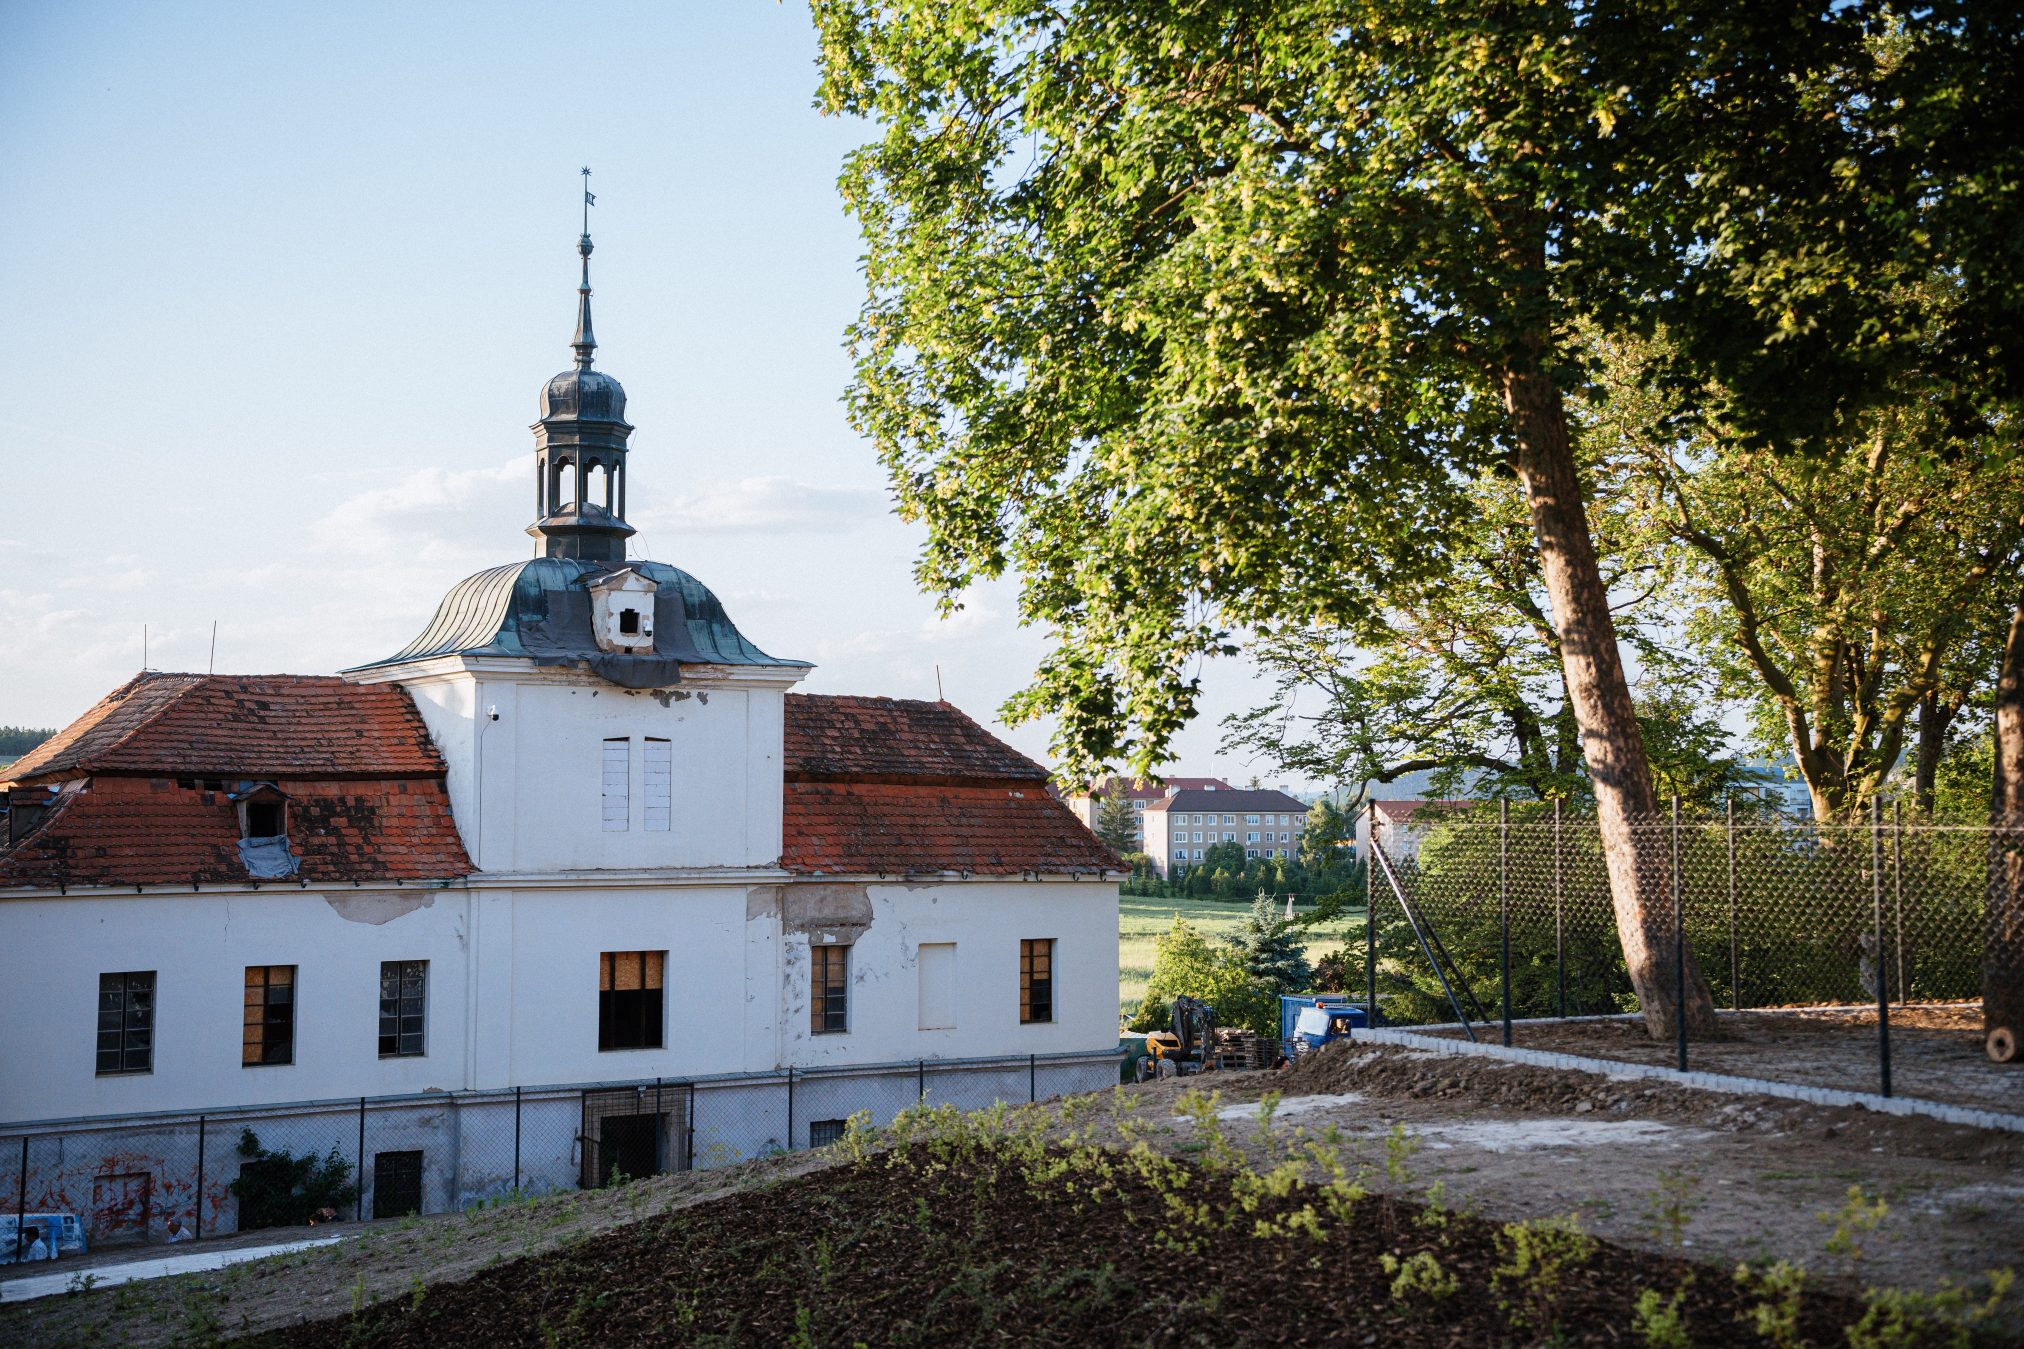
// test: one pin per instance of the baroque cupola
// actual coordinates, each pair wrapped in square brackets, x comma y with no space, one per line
[580,450]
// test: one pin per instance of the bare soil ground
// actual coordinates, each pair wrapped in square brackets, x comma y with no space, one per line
[1729,1178]
[1936,1050]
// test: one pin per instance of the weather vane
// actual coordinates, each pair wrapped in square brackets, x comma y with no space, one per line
[588,200]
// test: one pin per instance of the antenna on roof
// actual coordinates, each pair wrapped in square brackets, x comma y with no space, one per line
[938,685]
[144,648]
[212,668]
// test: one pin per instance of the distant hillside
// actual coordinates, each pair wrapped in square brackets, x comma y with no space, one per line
[16,741]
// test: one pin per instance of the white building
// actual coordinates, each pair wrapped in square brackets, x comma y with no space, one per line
[578,831]
[1140,793]
[1399,826]
[1182,825]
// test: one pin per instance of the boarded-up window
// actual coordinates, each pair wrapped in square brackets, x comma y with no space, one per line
[1036,979]
[658,783]
[270,1015]
[938,985]
[617,785]
[629,999]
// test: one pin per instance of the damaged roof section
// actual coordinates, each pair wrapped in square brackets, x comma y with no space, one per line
[892,786]
[153,783]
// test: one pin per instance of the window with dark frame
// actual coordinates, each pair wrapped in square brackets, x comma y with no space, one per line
[824,1132]
[270,1015]
[1036,979]
[404,999]
[126,1022]
[829,1003]
[629,999]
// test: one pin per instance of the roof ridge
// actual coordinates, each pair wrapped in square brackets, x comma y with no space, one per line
[24,766]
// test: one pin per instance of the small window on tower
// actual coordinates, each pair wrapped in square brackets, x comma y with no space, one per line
[629,622]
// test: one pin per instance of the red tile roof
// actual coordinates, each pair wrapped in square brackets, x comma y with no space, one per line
[149,831]
[841,828]
[894,786]
[363,781]
[241,726]
[834,738]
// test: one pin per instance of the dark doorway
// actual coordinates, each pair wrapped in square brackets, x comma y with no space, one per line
[396,1184]
[630,1146]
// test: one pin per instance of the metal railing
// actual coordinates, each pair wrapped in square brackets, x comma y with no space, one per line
[129,1178]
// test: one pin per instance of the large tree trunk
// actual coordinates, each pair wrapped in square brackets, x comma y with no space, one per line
[1933,719]
[1633,839]
[2003,937]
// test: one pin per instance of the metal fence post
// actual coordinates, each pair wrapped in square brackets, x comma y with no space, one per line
[1369,923]
[921,1080]
[660,1131]
[790,1107]
[516,1142]
[1559,921]
[1033,1077]
[1735,952]
[198,1233]
[21,1197]
[1679,941]
[1897,866]
[361,1159]
[1504,908]
[1882,964]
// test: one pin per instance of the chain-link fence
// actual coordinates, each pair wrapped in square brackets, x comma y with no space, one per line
[1826,947]
[170,1177]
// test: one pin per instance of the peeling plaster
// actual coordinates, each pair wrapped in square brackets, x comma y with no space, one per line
[378,906]
[829,915]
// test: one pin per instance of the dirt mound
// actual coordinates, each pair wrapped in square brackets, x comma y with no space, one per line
[1401,1074]
[990,1253]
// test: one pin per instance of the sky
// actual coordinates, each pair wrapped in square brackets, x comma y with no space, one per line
[281,283]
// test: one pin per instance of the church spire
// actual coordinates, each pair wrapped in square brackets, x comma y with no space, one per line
[585,340]
[580,445]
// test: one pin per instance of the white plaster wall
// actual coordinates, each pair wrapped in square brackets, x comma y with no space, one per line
[527,789]
[513,984]
[53,950]
[557,937]
[987,920]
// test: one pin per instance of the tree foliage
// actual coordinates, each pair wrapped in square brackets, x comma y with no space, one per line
[276,1188]
[1273,948]
[1185,963]
[1117,823]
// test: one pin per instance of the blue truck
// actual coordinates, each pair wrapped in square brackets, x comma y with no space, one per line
[1307,1021]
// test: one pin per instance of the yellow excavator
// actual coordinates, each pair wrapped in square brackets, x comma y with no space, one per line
[1190,1047]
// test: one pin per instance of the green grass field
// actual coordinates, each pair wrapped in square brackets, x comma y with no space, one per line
[1141,920]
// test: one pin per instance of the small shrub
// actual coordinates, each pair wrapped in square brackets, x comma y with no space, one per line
[1853,1221]
[279,1189]
[1896,1318]
[1778,1289]
[1534,1259]
[1670,1207]
[1658,1321]
[1419,1275]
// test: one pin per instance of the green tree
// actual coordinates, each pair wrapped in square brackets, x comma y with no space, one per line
[18,740]
[1187,963]
[1845,595]
[1272,949]
[1117,823]
[1155,299]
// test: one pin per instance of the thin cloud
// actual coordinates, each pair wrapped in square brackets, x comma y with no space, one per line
[775,502]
